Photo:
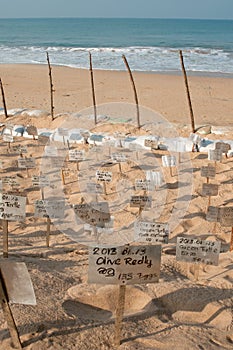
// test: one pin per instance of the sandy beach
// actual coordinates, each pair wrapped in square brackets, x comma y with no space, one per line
[184,310]
[27,86]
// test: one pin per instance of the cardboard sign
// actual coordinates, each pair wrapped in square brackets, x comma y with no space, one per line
[169,161]
[76,155]
[226,216]
[213,214]
[155,177]
[19,149]
[95,214]
[144,185]
[40,181]
[26,163]
[50,151]
[11,181]
[141,201]
[56,162]
[151,232]
[118,157]
[43,140]
[63,132]
[152,143]
[49,209]
[208,171]
[93,187]
[215,155]
[180,146]
[8,138]
[209,189]
[195,138]
[223,147]
[135,147]
[12,208]
[105,176]
[197,251]
[124,265]
[31,130]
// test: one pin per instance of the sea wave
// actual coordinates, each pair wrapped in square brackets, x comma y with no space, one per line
[140,58]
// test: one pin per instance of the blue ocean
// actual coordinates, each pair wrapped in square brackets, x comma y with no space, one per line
[150,45]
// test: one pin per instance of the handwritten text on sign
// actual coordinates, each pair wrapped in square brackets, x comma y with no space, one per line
[226,216]
[215,154]
[118,157]
[209,189]
[224,147]
[213,214]
[197,251]
[151,232]
[26,163]
[40,181]
[145,185]
[12,208]
[49,209]
[96,214]
[124,265]
[208,171]
[169,161]
[105,176]
[140,201]
[76,155]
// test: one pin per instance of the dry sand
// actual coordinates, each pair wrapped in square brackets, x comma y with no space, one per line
[178,312]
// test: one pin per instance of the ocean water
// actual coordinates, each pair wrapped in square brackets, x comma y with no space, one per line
[150,45]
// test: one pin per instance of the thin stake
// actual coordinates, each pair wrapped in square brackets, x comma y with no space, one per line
[93,88]
[119,314]
[51,87]
[3,99]
[9,317]
[5,238]
[48,232]
[231,243]
[188,93]
[134,89]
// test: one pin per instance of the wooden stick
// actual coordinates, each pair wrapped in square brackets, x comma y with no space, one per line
[196,271]
[120,170]
[9,317]
[170,168]
[62,177]
[5,238]
[42,193]
[93,88]
[51,87]
[231,243]
[134,89]
[105,188]
[188,93]
[119,314]
[3,99]
[48,232]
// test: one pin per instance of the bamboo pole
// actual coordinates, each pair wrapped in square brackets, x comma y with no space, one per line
[188,93]
[3,99]
[51,87]
[134,89]
[93,88]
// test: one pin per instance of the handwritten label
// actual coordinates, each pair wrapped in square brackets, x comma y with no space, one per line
[118,157]
[208,171]
[226,216]
[19,149]
[92,187]
[169,161]
[26,163]
[124,265]
[96,214]
[223,147]
[140,201]
[12,208]
[209,189]
[151,232]
[76,155]
[145,185]
[215,155]
[63,132]
[11,181]
[105,176]
[155,177]
[40,181]
[50,151]
[197,251]
[213,214]
[31,130]
[152,143]
[49,209]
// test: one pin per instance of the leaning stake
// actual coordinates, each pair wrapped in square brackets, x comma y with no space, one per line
[134,89]
[51,87]
[93,88]
[3,99]
[188,93]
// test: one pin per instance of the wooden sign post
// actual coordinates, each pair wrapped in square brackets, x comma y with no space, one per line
[170,162]
[104,176]
[140,202]
[119,158]
[15,287]
[209,190]
[209,172]
[151,232]
[122,266]
[5,238]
